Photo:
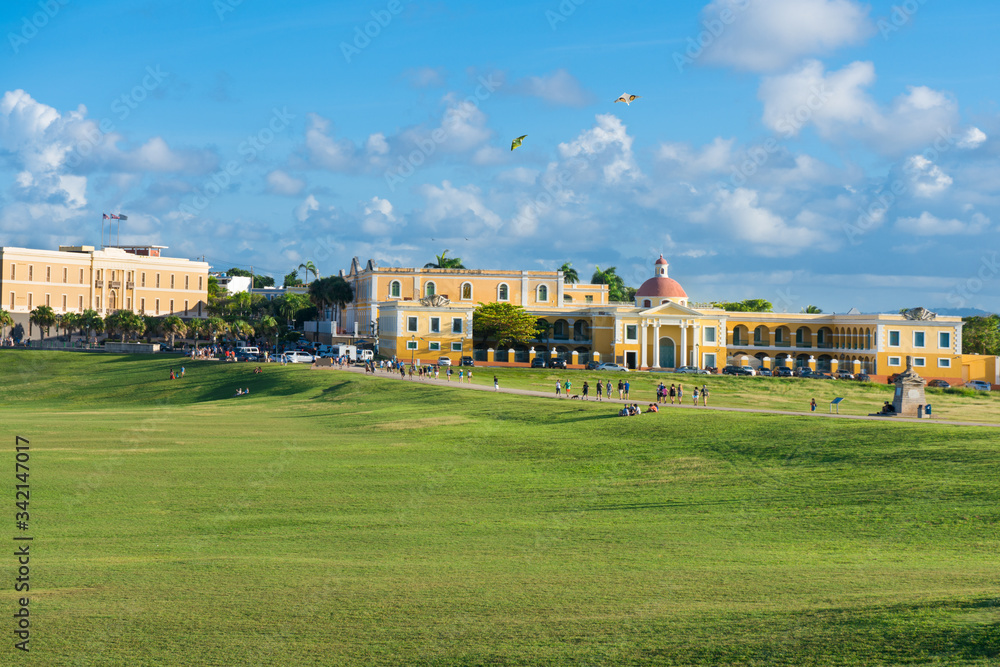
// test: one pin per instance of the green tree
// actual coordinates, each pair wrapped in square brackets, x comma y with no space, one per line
[260,282]
[617,291]
[243,273]
[69,322]
[812,310]
[241,329]
[330,291]
[444,262]
[268,326]
[309,267]
[44,318]
[195,329]
[92,322]
[981,335]
[505,323]
[570,276]
[542,328]
[215,326]
[153,325]
[5,321]
[288,304]
[745,306]
[125,323]
[214,291]
[292,279]
[173,326]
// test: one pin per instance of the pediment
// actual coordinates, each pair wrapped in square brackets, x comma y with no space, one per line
[670,308]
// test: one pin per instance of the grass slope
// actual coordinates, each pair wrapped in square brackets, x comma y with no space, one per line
[334,519]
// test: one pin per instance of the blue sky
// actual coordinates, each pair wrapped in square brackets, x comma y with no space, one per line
[823,152]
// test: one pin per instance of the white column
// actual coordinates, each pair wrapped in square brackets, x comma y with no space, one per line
[642,342]
[559,289]
[696,333]
[656,345]
[684,345]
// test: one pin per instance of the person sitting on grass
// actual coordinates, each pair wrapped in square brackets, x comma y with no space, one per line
[652,408]
[239,391]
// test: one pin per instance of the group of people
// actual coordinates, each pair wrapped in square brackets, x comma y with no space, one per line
[632,410]
[242,392]
[175,375]
[676,393]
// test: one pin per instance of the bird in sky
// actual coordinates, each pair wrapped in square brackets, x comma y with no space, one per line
[627,98]
[517,142]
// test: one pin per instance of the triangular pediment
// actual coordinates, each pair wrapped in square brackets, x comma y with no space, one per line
[671,308]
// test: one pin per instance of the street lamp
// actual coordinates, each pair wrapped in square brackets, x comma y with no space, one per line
[413,348]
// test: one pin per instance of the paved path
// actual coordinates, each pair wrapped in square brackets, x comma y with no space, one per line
[687,406]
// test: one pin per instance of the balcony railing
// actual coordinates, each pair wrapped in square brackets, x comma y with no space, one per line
[115,284]
[98,283]
[130,285]
[740,342]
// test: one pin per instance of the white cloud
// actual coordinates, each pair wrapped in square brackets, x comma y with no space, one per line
[926,178]
[303,210]
[608,145]
[712,158]
[377,217]
[929,225]
[376,144]
[457,205]
[281,183]
[767,35]
[742,213]
[838,106]
[972,139]
[323,150]
[560,88]
[426,77]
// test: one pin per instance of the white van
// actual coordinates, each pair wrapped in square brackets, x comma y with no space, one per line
[297,357]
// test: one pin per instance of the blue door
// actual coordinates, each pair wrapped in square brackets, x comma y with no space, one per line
[666,353]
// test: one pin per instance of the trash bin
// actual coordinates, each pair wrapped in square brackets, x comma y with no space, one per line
[927,409]
[920,411]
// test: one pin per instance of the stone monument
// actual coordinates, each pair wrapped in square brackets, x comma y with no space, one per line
[909,396]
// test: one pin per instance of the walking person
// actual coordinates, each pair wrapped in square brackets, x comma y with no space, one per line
[566,385]
[586,390]
[680,394]
[626,389]
[695,394]
[673,394]
[608,387]
[558,388]
[812,405]
[496,383]
[621,390]
[704,395]
[470,376]
[599,390]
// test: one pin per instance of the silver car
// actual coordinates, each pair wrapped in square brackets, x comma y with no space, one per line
[979,385]
[691,369]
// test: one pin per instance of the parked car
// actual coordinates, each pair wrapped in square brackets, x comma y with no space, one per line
[844,374]
[592,365]
[608,366]
[298,357]
[765,372]
[444,361]
[863,377]
[748,370]
[940,384]
[247,354]
[691,369]
[467,361]
[979,385]
[820,375]
[783,372]
[556,362]
[538,362]
[803,372]
[731,370]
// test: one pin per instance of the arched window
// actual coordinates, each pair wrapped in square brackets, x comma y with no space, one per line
[430,289]
[543,293]
[567,298]
[503,294]
[467,291]
[646,303]
[394,289]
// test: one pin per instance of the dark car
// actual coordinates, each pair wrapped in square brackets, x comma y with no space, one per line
[820,375]
[941,384]
[592,365]
[246,356]
[863,377]
[557,363]
[783,372]
[538,362]
[732,370]
[803,372]
[467,361]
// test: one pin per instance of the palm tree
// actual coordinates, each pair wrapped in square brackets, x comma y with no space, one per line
[195,328]
[241,329]
[812,310]
[268,326]
[609,277]
[68,322]
[125,323]
[5,321]
[92,322]
[45,318]
[445,262]
[570,276]
[214,326]
[309,267]
[288,304]
[173,326]
[153,325]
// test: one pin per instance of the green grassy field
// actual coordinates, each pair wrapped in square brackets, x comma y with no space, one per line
[330,518]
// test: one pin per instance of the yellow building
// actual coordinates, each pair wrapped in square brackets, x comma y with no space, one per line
[77,278]
[661,329]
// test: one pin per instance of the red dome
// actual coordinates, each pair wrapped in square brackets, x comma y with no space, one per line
[661,260]
[661,286]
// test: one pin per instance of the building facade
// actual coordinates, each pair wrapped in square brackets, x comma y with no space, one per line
[77,278]
[420,317]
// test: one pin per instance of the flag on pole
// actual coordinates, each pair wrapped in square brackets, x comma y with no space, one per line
[106,216]
[123,217]
[114,217]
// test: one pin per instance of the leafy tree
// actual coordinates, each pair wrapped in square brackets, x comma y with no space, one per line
[745,306]
[125,323]
[505,323]
[153,325]
[215,326]
[332,290]
[617,291]
[268,326]
[5,321]
[981,335]
[214,291]
[443,262]
[288,304]
[69,322]
[92,322]
[570,276]
[292,279]
[241,329]
[543,327]
[195,329]
[260,282]
[173,326]
[309,267]
[238,272]
[812,310]
[44,318]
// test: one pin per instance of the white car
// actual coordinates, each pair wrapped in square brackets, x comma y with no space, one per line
[748,370]
[444,361]
[979,385]
[298,357]
[608,366]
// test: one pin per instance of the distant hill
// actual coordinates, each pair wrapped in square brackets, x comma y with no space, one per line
[961,312]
